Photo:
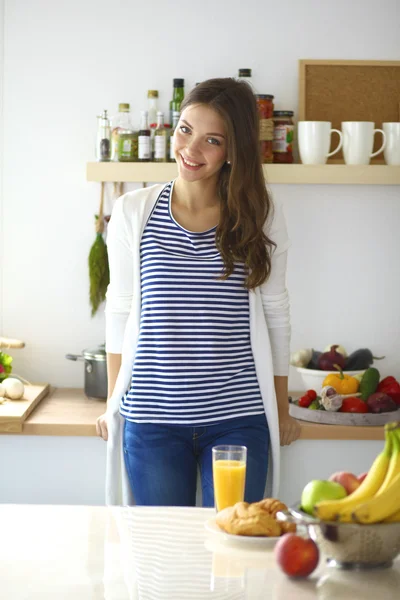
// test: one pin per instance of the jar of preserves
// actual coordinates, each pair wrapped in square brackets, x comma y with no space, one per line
[283,136]
[266,110]
[128,145]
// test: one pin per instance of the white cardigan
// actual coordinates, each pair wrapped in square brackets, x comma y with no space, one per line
[269,326]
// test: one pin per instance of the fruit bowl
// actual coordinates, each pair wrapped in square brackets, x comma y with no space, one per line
[313,378]
[350,545]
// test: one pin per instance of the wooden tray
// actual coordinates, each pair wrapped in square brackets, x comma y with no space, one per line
[14,412]
[350,90]
[336,418]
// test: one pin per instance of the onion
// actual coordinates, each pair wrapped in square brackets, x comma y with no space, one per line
[14,388]
[332,360]
[339,349]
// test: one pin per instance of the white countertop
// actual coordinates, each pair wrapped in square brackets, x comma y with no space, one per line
[91,553]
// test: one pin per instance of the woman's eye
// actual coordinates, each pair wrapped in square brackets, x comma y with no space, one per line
[214,141]
[184,129]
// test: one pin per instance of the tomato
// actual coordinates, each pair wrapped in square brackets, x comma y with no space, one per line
[311,394]
[353,405]
[305,401]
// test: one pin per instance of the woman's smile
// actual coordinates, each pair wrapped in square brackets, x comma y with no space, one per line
[190,164]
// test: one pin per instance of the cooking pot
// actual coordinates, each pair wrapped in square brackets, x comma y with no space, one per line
[95,371]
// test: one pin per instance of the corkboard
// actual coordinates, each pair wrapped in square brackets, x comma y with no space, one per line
[349,90]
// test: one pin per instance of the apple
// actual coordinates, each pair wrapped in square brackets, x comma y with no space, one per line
[362,476]
[318,490]
[347,480]
[296,556]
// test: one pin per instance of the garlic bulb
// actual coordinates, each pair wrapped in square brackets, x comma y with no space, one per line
[14,388]
[2,393]
[330,399]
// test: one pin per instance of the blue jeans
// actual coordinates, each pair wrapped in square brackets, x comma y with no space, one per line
[162,460]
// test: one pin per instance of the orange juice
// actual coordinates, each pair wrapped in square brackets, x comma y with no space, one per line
[229,480]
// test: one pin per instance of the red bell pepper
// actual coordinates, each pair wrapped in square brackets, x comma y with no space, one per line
[391,387]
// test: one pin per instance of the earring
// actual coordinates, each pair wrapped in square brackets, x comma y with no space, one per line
[228,162]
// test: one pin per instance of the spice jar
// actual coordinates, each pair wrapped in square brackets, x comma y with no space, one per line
[283,136]
[103,142]
[265,110]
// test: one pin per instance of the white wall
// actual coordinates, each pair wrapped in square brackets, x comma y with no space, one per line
[66,61]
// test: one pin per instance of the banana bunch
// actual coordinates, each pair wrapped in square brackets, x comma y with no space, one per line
[377,499]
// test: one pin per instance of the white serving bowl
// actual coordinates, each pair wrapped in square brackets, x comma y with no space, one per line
[313,378]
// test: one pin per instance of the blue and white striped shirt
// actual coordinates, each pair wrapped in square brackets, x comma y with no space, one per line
[194,363]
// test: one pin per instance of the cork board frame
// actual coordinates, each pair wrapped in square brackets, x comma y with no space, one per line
[349,90]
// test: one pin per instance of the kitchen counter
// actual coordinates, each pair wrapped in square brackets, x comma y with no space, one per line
[155,553]
[67,411]
[60,459]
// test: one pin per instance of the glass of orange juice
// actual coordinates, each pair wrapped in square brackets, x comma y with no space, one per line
[229,475]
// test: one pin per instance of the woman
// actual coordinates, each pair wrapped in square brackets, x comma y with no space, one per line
[197,315]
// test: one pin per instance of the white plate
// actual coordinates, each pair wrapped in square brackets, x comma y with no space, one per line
[241,540]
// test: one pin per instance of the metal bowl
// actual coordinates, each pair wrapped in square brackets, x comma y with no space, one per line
[350,545]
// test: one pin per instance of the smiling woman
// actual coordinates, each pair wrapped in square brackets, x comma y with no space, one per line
[197,315]
[217,145]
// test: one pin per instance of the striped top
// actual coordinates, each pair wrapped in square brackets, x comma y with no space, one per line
[194,363]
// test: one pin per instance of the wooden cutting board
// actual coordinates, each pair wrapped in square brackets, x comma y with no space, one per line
[14,412]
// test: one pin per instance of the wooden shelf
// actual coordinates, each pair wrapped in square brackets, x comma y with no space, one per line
[287,174]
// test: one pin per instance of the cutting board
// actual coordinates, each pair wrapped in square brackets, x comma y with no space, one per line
[14,412]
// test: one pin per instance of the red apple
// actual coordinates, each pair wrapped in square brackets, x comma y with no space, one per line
[362,476]
[296,556]
[347,480]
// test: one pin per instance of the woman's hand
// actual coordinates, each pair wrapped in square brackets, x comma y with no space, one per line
[289,430]
[101,427]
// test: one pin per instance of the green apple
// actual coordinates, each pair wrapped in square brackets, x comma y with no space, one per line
[319,490]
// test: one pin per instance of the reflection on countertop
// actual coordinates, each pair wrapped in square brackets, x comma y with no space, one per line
[154,553]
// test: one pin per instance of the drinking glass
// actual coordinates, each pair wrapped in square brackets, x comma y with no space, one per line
[229,475]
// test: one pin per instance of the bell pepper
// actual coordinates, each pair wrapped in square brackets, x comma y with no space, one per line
[391,387]
[353,405]
[343,384]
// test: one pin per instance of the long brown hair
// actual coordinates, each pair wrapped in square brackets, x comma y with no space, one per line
[245,203]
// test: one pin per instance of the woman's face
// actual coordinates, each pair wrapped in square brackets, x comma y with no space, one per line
[200,144]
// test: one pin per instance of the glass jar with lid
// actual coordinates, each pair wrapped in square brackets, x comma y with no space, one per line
[265,111]
[128,145]
[283,136]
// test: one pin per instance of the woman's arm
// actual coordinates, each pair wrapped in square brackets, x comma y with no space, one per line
[118,299]
[113,367]
[275,301]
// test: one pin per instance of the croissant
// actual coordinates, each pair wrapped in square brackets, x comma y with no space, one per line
[255,519]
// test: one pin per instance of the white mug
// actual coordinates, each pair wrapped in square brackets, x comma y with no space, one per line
[392,149]
[315,140]
[358,141]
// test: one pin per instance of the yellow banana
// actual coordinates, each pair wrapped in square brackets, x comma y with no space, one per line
[333,510]
[394,464]
[394,518]
[380,507]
